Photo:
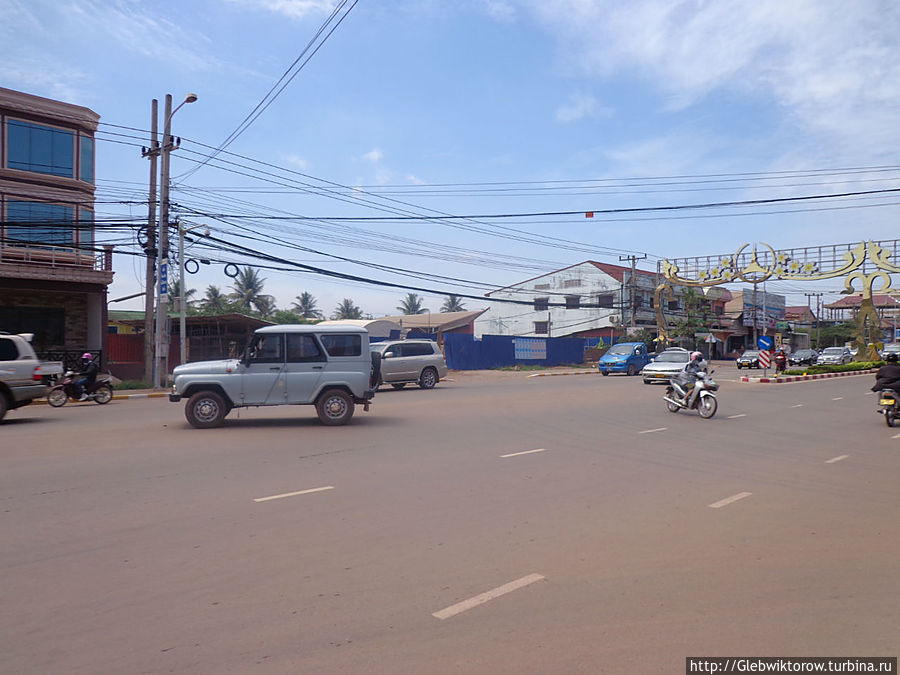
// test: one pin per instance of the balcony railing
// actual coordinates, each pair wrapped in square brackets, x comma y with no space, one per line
[55,262]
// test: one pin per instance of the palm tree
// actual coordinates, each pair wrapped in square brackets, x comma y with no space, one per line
[175,294]
[214,300]
[305,306]
[453,303]
[247,287]
[265,305]
[411,304]
[347,310]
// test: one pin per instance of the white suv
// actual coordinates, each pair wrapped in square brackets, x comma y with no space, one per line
[408,361]
[330,367]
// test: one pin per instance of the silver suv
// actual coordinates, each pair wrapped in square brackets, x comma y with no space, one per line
[407,361]
[330,367]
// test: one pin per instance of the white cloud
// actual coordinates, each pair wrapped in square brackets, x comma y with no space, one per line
[415,180]
[294,9]
[297,161]
[499,10]
[580,106]
[374,156]
[832,66]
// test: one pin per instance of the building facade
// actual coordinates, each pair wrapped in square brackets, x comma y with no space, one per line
[590,299]
[53,279]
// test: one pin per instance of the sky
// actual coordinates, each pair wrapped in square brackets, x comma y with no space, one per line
[401,114]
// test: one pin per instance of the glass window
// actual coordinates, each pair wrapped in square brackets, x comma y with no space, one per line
[86,230]
[8,351]
[86,159]
[267,349]
[541,304]
[35,147]
[342,345]
[605,300]
[573,302]
[44,223]
[302,348]
[417,349]
[540,327]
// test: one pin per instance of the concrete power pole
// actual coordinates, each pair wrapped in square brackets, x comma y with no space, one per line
[818,297]
[151,250]
[631,282]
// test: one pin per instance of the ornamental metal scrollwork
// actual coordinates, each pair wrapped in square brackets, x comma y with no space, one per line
[854,264]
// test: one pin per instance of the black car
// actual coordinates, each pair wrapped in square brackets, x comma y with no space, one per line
[804,357]
[749,359]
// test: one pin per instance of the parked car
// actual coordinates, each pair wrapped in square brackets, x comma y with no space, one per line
[893,347]
[835,356]
[23,377]
[804,357]
[330,367]
[749,359]
[666,365]
[411,361]
[624,357]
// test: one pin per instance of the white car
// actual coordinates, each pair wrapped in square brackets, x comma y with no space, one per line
[835,356]
[665,366]
[411,361]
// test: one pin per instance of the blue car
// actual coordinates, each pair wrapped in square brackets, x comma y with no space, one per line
[625,357]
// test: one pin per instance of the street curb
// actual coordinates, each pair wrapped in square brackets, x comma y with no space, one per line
[804,378]
[116,397]
[578,372]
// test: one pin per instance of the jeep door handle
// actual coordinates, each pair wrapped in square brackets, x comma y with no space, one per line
[274,368]
[317,367]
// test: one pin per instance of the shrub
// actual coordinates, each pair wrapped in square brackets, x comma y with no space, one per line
[132,384]
[843,368]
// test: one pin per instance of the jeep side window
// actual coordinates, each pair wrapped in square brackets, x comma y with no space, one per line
[8,351]
[303,348]
[267,349]
[342,345]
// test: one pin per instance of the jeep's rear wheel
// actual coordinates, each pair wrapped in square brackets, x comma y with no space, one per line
[205,410]
[334,407]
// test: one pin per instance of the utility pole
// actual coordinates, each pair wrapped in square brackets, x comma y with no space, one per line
[151,250]
[162,302]
[818,297]
[633,259]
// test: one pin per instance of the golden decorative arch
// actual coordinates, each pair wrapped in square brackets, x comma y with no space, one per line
[865,263]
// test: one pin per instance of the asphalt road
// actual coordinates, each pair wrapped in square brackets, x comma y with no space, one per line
[496,524]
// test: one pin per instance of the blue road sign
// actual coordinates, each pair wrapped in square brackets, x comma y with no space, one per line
[164,277]
[765,342]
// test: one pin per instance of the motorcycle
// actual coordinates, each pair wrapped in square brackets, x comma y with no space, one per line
[780,362]
[889,401]
[701,397]
[100,392]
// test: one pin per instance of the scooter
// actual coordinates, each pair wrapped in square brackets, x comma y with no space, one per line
[701,397]
[100,392]
[890,406]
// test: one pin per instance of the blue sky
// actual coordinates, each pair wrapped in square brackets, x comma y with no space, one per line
[517,104]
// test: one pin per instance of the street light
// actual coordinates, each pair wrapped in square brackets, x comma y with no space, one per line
[181,323]
[160,371]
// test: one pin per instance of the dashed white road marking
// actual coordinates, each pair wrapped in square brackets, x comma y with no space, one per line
[836,459]
[526,452]
[870,393]
[897,436]
[459,607]
[294,494]
[729,500]
[734,417]
[799,405]
[838,398]
[652,431]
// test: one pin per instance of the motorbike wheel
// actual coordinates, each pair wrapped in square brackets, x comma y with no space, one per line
[103,394]
[707,407]
[57,396]
[889,417]
[671,407]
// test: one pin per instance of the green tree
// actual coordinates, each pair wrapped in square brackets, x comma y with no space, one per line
[692,320]
[453,303]
[265,305]
[347,310]
[305,306]
[175,296]
[411,304]
[287,316]
[214,301]
[247,287]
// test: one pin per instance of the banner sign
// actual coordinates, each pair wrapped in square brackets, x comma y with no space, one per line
[530,349]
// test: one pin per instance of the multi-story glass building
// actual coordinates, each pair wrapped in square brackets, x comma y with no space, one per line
[53,278]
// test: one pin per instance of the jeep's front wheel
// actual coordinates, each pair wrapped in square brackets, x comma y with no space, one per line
[205,410]
[334,407]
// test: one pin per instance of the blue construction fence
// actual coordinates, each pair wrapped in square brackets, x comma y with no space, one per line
[466,352]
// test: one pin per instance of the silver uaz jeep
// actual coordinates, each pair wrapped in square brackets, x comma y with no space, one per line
[327,366]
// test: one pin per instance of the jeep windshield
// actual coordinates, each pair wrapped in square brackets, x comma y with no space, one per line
[619,350]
